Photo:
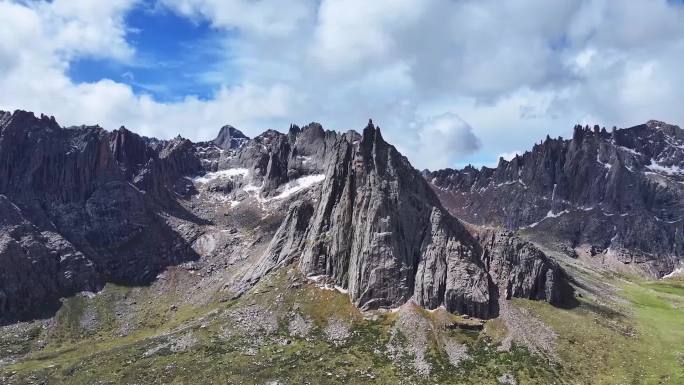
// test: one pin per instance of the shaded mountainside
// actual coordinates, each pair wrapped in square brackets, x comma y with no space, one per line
[82,206]
[379,231]
[617,195]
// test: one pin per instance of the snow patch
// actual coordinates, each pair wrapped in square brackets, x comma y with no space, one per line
[678,272]
[252,188]
[289,189]
[608,166]
[304,159]
[550,214]
[629,150]
[298,185]
[315,278]
[319,281]
[669,170]
[508,184]
[229,173]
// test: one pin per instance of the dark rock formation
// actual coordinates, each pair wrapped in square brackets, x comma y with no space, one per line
[86,205]
[521,270]
[379,231]
[620,192]
[37,266]
[230,138]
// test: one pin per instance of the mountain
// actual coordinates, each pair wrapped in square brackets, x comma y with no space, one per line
[81,206]
[320,257]
[88,207]
[230,137]
[615,197]
[378,231]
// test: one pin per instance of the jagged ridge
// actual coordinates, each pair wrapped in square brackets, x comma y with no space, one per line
[619,192]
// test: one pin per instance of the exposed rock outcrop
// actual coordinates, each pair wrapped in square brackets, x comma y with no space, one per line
[521,270]
[620,193]
[230,137]
[37,266]
[90,204]
[379,231]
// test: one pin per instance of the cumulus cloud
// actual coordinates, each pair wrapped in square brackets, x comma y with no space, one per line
[443,139]
[267,18]
[420,68]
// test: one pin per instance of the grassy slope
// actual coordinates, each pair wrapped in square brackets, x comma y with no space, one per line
[642,343]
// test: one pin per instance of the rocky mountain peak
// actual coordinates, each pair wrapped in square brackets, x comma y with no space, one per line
[27,121]
[377,230]
[4,118]
[370,135]
[658,124]
[230,137]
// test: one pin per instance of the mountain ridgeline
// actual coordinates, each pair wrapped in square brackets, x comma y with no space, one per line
[614,196]
[82,206]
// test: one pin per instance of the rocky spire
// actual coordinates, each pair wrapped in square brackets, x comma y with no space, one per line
[230,137]
[379,231]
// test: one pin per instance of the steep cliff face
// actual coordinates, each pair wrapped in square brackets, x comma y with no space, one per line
[37,266]
[379,231]
[521,270]
[89,190]
[619,193]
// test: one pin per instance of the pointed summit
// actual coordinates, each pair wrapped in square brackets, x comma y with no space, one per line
[230,137]
[371,135]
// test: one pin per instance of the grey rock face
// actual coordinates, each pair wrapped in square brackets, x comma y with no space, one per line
[379,231]
[620,192]
[289,238]
[521,270]
[86,205]
[37,266]
[276,158]
[230,137]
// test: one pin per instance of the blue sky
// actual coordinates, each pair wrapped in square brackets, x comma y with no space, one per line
[450,82]
[172,54]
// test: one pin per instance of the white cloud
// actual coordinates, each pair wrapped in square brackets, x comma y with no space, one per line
[269,18]
[415,67]
[441,141]
[509,155]
[83,27]
[354,33]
